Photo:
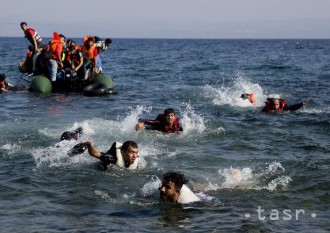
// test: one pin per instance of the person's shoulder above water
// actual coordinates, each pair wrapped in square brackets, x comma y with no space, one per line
[124,155]
[280,105]
[174,189]
[4,85]
[167,122]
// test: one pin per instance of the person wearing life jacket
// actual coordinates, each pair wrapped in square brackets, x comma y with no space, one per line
[75,60]
[91,51]
[174,189]
[55,56]
[4,85]
[250,97]
[36,42]
[34,38]
[166,123]
[101,45]
[280,105]
[122,155]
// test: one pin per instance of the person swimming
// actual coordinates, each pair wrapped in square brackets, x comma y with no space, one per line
[250,97]
[68,135]
[280,105]
[166,123]
[174,190]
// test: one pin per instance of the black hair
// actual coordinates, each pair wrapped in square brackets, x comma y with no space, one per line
[2,77]
[23,23]
[244,96]
[61,35]
[178,178]
[72,41]
[168,111]
[108,41]
[128,144]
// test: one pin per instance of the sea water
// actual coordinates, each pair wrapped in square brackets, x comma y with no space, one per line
[283,158]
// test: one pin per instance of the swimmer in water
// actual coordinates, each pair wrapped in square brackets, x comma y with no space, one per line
[250,97]
[174,189]
[166,123]
[280,105]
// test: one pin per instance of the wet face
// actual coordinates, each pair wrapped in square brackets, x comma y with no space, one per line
[277,104]
[169,192]
[130,155]
[170,118]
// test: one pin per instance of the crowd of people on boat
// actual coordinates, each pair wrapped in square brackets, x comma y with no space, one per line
[63,58]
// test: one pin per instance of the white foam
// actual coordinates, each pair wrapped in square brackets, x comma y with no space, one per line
[248,178]
[230,94]
[279,182]
[151,187]
[192,122]
[56,155]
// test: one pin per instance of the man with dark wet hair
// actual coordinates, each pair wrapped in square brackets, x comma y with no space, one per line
[174,190]
[123,155]
[166,123]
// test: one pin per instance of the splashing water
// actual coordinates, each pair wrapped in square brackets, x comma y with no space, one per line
[247,178]
[231,94]
[192,122]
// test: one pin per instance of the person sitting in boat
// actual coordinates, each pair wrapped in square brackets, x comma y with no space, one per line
[75,61]
[250,97]
[55,56]
[4,85]
[280,105]
[167,123]
[90,50]
[124,155]
[174,189]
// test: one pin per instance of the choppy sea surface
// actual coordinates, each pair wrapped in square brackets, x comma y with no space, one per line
[284,158]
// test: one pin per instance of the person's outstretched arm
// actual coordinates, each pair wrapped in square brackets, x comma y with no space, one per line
[92,150]
[295,106]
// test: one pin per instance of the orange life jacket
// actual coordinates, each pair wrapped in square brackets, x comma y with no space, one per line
[53,45]
[89,52]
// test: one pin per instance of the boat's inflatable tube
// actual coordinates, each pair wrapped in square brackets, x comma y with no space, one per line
[106,80]
[41,84]
[96,89]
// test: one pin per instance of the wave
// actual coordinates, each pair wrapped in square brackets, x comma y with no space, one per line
[230,93]
[270,178]
[103,132]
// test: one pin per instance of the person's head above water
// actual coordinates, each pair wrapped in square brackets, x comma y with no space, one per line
[130,151]
[2,77]
[244,96]
[171,186]
[169,115]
